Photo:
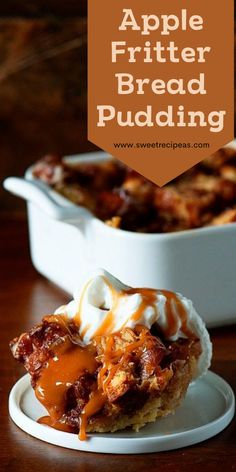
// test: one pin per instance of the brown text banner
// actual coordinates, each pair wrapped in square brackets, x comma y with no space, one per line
[160,83]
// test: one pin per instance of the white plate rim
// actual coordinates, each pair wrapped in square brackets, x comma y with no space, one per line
[100,442]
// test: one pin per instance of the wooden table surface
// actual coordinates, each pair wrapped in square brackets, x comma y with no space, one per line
[25,296]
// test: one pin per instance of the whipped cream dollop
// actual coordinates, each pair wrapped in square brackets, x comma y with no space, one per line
[105,305]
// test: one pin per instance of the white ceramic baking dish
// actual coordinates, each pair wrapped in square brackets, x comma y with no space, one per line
[67,242]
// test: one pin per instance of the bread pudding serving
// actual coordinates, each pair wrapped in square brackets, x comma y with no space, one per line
[115,357]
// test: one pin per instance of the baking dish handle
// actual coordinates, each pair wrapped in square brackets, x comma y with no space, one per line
[39,194]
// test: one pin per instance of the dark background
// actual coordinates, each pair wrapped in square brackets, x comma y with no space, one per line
[42,85]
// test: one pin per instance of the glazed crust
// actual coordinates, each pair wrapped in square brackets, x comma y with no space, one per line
[156,406]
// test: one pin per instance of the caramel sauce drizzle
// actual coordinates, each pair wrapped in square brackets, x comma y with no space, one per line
[71,360]
[68,364]
[95,403]
[107,324]
[112,358]
[60,425]
[174,310]
[149,298]
[77,317]
[61,372]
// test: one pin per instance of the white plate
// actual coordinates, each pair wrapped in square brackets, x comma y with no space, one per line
[207,409]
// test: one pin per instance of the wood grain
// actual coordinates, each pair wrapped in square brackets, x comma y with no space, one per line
[41,8]
[43,93]
[25,297]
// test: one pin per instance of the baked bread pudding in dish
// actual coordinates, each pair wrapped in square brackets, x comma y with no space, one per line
[115,357]
[204,195]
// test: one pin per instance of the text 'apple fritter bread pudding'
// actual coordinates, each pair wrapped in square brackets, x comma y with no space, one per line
[203,196]
[114,357]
